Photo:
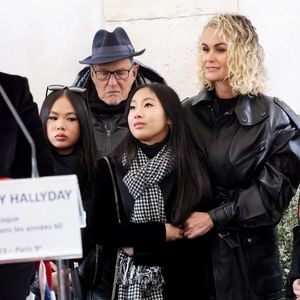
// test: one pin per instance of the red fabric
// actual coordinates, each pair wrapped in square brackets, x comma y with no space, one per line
[48,271]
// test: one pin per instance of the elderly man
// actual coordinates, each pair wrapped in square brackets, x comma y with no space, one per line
[111,75]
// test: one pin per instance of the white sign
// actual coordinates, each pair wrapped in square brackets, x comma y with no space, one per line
[40,218]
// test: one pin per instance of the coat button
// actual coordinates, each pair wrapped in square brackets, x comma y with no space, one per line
[249,240]
[263,113]
[244,119]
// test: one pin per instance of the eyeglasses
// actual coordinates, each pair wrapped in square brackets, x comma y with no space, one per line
[59,87]
[118,74]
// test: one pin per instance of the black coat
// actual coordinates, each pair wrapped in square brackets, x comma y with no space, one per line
[14,148]
[253,154]
[15,153]
[70,164]
[185,262]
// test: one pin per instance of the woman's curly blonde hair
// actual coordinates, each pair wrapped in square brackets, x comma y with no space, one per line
[246,72]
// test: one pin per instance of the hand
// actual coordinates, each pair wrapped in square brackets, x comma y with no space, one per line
[296,288]
[54,277]
[173,232]
[128,250]
[197,224]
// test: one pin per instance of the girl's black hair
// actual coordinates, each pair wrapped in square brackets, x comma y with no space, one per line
[86,145]
[192,179]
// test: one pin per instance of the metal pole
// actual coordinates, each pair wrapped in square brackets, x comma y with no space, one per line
[64,291]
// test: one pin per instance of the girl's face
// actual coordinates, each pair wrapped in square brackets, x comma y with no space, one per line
[214,56]
[147,119]
[63,128]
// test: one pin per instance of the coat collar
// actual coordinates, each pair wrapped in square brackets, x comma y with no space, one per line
[249,110]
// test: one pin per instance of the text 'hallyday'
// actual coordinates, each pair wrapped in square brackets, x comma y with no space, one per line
[20,198]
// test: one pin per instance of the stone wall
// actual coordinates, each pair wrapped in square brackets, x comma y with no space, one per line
[169,31]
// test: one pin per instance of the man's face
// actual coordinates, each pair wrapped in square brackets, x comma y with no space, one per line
[113,88]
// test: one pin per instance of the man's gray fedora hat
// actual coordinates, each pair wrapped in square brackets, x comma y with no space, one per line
[110,46]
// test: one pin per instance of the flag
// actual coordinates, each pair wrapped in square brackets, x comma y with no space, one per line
[45,282]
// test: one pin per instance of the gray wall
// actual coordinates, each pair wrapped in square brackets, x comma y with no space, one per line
[169,31]
[278,25]
[43,40]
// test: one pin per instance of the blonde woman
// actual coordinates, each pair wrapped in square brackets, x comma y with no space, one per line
[252,144]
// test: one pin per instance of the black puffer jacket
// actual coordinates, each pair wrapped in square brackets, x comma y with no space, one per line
[253,153]
[109,122]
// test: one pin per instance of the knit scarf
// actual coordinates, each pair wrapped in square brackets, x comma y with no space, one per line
[144,282]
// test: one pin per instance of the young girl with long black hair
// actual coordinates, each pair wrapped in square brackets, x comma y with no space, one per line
[161,178]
